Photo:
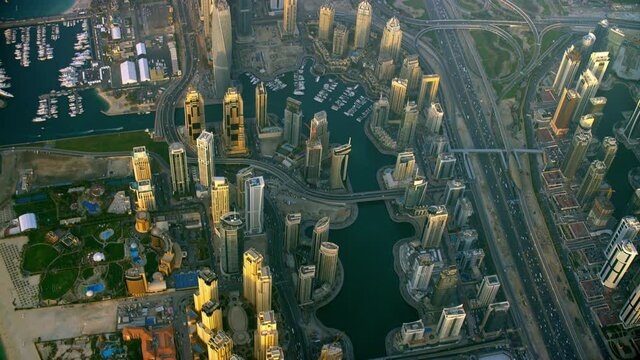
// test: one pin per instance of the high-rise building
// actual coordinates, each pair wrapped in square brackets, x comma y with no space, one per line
[179,170]
[313,161]
[445,286]
[306,274]
[274,353]
[261,105]
[292,231]
[434,118]
[422,269]
[207,289]
[596,107]
[408,124]
[630,313]
[328,262]
[319,129]
[292,121]
[231,242]
[405,166]
[412,332]
[254,205]
[411,71]
[220,346]
[364,13]
[587,87]
[385,68]
[634,202]
[140,163]
[632,129]
[615,39]
[206,151]
[136,281]
[450,323]
[331,352]
[591,183]
[266,334]
[276,4]
[471,259]
[466,238]
[339,164]
[600,32]
[620,255]
[264,283]
[391,41]
[251,265]
[567,71]
[576,154]
[495,319]
[428,90]
[242,175]
[453,191]
[380,113]
[320,234]
[205,14]
[211,315]
[462,212]
[325,21]
[146,200]
[439,145]
[340,40]
[245,18]
[488,290]
[601,211]
[564,112]
[194,120]
[219,198]
[289,18]
[415,193]
[221,46]
[598,63]
[233,135]
[397,98]
[445,166]
[435,226]
[628,229]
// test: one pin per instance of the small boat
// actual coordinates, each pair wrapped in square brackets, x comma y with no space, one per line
[38,119]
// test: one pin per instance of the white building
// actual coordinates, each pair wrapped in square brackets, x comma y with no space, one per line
[128,73]
[141,49]
[143,66]
[254,204]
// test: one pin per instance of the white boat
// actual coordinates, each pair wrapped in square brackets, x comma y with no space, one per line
[38,119]
[5,94]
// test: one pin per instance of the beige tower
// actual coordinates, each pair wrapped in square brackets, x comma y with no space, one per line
[233,135]
[211,315]
[220,346]
[319,235]
[221,46]
[261,105]
[274,353]
[450,323]
[591,183]
[487,291]
[428,87]
[567,71]
[206,151]
[306,274]
[179,170]
[435,226]
[380,113]
[325,22]
[146,200]
[408,123]
[411,71]
[398,95]
[391,42]
[140,163]
[194,120]
[340,40]
[609,149]
[207,289]
[364,14]
[339,164]
[598,63]
[564,112]
[250,268]
[263,289]
[266,334]
[292,231]
[328,262]
[219,198]
[587,87]
[331,352]
[289,25]
[405,166]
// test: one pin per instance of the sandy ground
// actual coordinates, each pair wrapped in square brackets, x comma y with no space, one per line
[79,5]
[120,106]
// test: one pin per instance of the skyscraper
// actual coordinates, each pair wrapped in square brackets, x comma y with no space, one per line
[598,63]
[254,204]
[434,118]
[586,88]
[331,352]
[233,136]
[408,124]
[411,71]
[364,14]
[615,39]
[435,226]
[462,212]
[445,166]
[264,282]
[391,42]
[428,90]
[439,145]
[276,4]
[601,211]
[415,193]
[600,32]
[242,175]
[292,121]
[632,130]
[591,183]
[630,313]
[320,234]
[445,286]
[206,151]
[205,12]
[306,274]
[146,200]
[398,95]
[596,107]
[244,17]
[261,105]
[620,255]
[325,21]
[405,166]
[567,71]
[140,163]
[340,40]
[495,319]
[136,281]
[328,262]
[628,229]
[194,120]
[453,191]
[412,332]
[487,291]
[251,265]
[380,112]
[339,164]
[450,323]
[289,25]
[292,231]
[221,46]
[274,353]
[207,288]
[422,269]
[179,171]
[220,346]
[232,242]
[564,112]
[219,198]
[266,334]
[575,155]
[385,68]
[313,161]
[319,129]
[211,315]
[471,259]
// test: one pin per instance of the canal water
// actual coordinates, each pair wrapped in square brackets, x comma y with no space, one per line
[25,9]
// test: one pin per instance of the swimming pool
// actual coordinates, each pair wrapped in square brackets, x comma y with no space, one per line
[106,234]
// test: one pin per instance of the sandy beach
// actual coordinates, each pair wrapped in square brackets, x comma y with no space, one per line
[79,5]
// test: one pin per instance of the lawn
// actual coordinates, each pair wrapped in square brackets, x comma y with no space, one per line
[494,58]
[115,279]
[114,252]
[66,261]
[57,283]
[38,257]
[549,38]
[87,273]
